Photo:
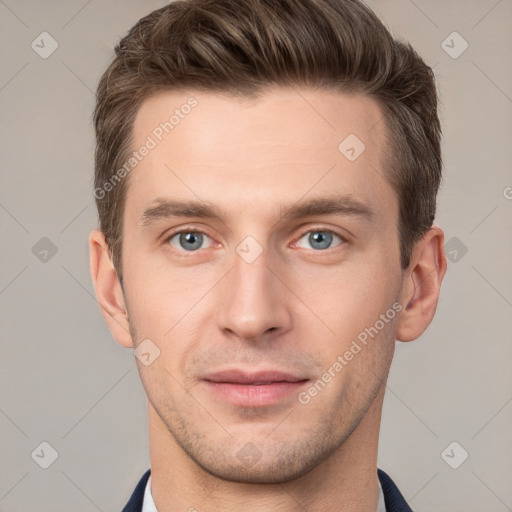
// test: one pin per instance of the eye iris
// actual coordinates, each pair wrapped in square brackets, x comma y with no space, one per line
[194,240]
[322,238]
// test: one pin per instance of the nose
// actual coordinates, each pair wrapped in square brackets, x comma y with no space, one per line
[255,303]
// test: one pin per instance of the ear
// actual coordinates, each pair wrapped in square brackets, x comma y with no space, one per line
[422,284]
[108,289]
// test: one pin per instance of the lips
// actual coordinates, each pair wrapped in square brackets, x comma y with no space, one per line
[263,388]
[255,379]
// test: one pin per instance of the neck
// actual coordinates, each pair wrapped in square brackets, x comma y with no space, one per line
[346,481]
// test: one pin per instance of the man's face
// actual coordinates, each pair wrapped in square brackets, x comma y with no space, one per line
[263,286]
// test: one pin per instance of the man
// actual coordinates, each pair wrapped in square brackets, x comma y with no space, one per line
[266,181]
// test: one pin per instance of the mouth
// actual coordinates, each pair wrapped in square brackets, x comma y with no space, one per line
[255,389]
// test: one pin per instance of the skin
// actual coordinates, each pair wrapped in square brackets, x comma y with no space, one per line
[295,308]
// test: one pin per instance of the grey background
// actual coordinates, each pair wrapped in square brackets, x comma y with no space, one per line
[64,380]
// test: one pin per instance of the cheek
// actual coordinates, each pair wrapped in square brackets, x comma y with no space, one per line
[347,298]
[167,306]
[163,296]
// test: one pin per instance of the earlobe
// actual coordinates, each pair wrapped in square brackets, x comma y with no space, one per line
[108,289]
[422,285]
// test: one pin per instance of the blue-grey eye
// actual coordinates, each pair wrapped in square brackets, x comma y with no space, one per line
[188,240]
[320,239]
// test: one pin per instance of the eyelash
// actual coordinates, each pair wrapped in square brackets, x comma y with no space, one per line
[310,230]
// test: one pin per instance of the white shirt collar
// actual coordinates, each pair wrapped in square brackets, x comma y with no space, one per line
[148,504]
[381,506]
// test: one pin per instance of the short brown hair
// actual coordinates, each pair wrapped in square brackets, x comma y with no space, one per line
[241,46]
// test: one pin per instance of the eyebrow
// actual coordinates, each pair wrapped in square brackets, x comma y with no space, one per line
[343,205]
[172,208]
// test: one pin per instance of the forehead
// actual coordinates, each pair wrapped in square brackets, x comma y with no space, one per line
[281,146]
